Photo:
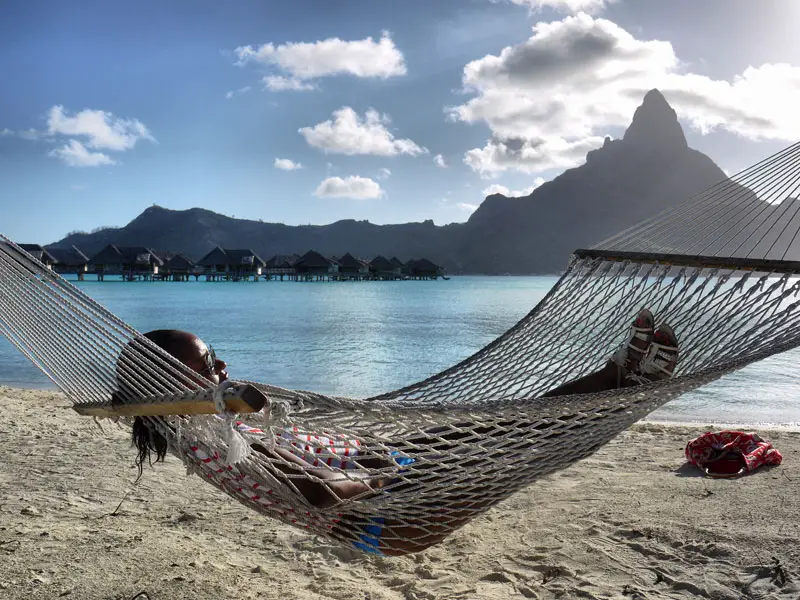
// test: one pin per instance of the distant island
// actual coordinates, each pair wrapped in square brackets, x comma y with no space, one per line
[627,180]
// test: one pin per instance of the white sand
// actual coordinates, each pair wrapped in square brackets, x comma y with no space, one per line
[631,522]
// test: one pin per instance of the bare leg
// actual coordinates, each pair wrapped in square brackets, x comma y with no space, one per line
[607,378]
[612,376]
[330,488]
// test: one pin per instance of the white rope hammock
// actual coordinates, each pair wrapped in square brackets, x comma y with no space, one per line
[450,447]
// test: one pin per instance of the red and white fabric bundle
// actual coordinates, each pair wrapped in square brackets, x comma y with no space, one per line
[731,453]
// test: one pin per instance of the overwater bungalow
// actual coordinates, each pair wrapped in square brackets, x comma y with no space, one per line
[399,268]
[131,262]
[281,265]
[353,268]
[424,269]
[227,264]
[381,268]
[313,266]
[40,254]
[70,260]
[178,267]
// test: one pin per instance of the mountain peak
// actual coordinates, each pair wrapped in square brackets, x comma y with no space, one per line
[655,97]
[655,122]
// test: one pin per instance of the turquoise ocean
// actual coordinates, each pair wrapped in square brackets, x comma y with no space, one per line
[363,338]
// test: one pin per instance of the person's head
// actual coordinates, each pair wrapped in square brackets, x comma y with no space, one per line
[192,352]
[200,358]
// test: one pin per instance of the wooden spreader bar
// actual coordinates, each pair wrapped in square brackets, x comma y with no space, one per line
[238,399]
[762,265]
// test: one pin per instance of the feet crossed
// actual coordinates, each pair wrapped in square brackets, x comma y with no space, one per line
[648,355]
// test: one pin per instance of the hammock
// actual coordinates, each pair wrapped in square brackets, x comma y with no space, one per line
[715,267]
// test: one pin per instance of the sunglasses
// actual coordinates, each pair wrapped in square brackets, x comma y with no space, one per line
[211,362]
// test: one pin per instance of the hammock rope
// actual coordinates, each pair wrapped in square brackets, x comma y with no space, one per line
[714,267]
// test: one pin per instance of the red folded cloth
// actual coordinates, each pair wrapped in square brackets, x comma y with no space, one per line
[730,453]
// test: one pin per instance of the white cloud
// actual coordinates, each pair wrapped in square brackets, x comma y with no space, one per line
[25,134]
[501,189]
[102,129]
[552,98]
[566,6]
[300,62]
[75,154]
[384,173]
[239,92]
[77,187]
[528,156]
[32,134]
[279,83]
[353,186]
[471,208]
[496,188]
[287,164]
[440,161]
[348,133]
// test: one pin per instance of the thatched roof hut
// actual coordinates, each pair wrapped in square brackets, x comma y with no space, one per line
[381,267]
[350,265]
[313,263]
[39,253]
[282,262]
[126,260]
[69,257]
[381,263]
[245,257]
[179,263]
[398,266]
[232,261]
[178,267]
[423,269]
[69,260]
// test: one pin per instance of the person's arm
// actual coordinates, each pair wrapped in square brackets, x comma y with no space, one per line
[317,494]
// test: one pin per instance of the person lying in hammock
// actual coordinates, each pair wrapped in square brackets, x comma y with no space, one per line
[648,355]
[195,354]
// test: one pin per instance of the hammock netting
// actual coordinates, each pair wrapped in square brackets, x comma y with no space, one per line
[716,267]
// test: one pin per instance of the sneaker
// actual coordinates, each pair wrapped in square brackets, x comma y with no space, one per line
[661,359]
[629,355]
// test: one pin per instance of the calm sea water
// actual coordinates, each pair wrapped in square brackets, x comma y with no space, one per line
[361,339]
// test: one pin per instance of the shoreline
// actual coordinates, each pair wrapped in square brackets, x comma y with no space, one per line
[718,425]
[631,521]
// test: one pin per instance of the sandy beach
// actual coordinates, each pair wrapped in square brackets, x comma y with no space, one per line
[633,522]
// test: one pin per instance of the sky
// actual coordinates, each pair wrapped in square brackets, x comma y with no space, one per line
[312,111]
